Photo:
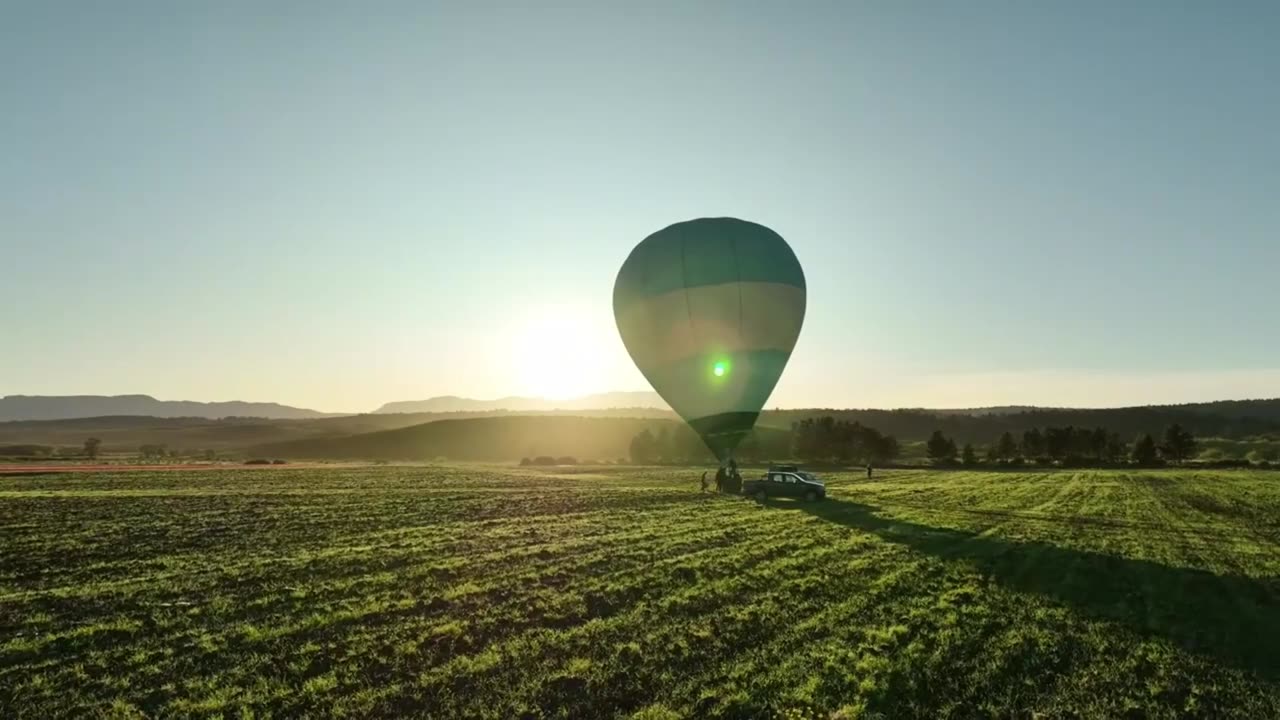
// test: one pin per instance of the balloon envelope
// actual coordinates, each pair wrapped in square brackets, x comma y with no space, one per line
[710,310]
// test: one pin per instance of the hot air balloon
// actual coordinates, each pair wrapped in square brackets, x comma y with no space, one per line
[710,310]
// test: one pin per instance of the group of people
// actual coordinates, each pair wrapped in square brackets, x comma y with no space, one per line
[728,479]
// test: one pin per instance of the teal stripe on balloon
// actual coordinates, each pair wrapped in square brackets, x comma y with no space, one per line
[711,318]
[707,251]
[694,391]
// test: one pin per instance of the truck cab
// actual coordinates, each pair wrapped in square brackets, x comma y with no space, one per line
[786,481]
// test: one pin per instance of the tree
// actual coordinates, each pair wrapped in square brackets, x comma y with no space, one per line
[872,446]
[826,437]
[1144,450]
[1032,443]
[1178,444]
[1057,442]
[1116,448]
[806,439]
[888,449]
[940,448]
[91,447]
[1006,448]
[969,457]
[643,447]
[1098,443]
[662,445]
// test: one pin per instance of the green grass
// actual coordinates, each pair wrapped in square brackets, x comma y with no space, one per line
[490,592]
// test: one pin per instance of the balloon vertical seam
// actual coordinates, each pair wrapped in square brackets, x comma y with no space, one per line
[737,269]
[684,280]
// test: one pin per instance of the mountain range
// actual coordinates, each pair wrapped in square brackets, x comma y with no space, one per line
[453,403]
[67,407]
[510,427]
[64,407]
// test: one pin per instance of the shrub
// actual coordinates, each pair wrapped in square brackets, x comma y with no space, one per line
[279,462]
[567,460]
[1226,463]
[544,460]
[37,451]
[524,462]
[257,461]
[1261,456]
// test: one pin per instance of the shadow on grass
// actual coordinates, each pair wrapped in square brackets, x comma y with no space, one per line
[1231,618]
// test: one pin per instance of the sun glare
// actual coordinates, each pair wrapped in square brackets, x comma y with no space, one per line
[557,356]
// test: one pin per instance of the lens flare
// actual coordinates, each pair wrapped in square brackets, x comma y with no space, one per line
[719,370]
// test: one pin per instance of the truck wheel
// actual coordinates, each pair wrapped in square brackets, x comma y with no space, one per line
[811,496]
[760,495]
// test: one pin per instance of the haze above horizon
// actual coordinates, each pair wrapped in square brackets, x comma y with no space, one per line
[337,207]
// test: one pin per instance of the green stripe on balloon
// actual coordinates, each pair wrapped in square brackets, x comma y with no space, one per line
[709,251]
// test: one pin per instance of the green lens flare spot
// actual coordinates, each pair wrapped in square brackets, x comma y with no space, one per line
[720,369]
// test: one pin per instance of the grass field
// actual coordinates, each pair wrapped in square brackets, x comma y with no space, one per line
[490,592]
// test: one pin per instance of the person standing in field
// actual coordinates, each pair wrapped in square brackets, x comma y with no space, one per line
[704,481]
[868,471]
[720,479]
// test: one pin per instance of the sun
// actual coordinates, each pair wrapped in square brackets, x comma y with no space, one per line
[556,355]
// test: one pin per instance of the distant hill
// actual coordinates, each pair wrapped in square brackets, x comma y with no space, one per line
[1254,409]
[997,410]
[503,437]
[1237,419]
[452,403]
[49,407]
[128,432]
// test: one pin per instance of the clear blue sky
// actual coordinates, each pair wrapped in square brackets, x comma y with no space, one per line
[336,205]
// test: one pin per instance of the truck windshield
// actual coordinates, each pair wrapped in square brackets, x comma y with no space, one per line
[810,477]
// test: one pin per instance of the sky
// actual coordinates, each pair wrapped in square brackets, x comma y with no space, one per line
[336,205]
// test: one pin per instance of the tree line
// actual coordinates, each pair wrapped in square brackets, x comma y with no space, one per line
[1220,420]
[823,439]
[828,439]
[1068,445]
